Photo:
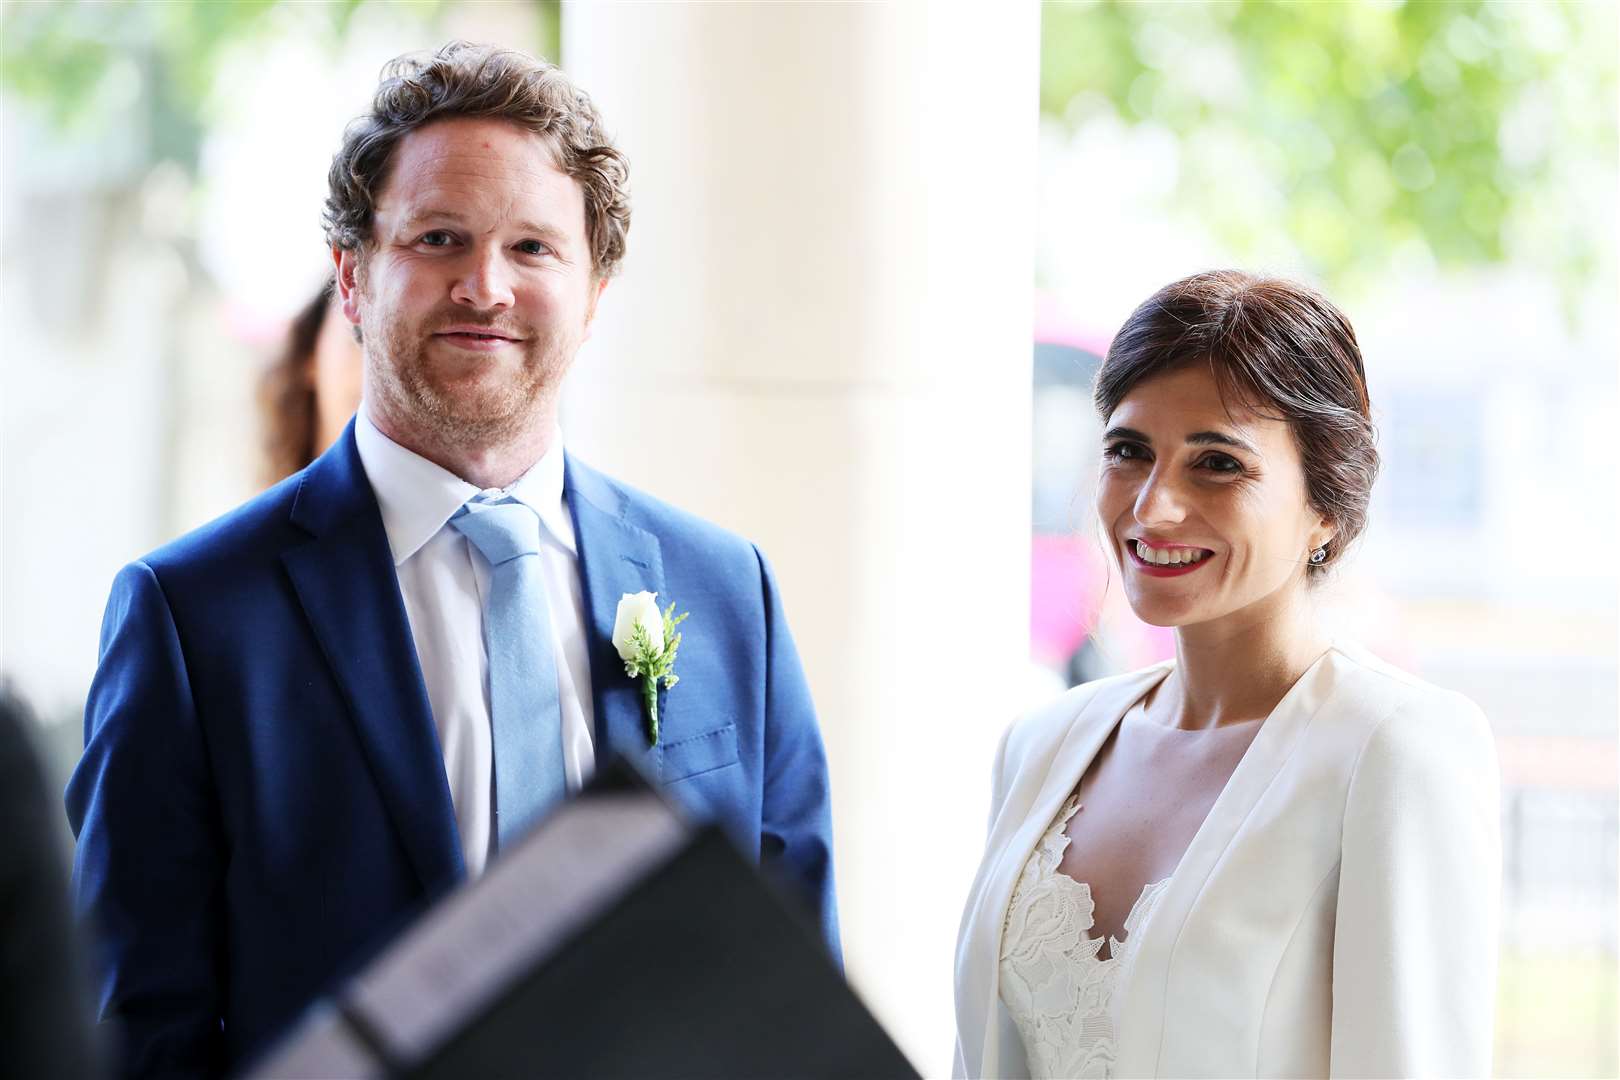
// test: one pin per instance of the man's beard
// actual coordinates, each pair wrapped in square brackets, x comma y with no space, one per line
[413,389]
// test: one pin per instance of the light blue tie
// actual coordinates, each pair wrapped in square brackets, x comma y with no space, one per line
[524,708]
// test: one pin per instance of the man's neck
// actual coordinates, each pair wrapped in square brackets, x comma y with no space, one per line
[495,464]
[1240,667]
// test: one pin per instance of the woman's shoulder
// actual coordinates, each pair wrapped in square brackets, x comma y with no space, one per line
[1041,730]
[1411,726]
[1378,691]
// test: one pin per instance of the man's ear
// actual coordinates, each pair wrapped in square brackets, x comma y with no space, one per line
[347,265]
[597,288]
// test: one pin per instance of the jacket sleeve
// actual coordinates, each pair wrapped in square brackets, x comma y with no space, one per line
[796,813]
[1415,943]
[148,869]
[998,794]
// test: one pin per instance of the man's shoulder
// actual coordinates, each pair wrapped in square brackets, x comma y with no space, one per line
[680,533]
[255,531]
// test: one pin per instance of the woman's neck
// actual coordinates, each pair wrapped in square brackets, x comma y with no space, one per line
[1239,667]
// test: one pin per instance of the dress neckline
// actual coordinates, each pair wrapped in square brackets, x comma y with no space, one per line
[1138,717]
[1057,842]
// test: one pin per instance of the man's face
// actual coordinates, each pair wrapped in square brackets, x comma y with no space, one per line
[477,287]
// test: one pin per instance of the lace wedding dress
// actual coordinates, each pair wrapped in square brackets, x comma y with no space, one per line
[1059,993]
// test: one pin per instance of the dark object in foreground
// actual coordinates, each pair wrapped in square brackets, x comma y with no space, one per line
[47,1020]
[616,940]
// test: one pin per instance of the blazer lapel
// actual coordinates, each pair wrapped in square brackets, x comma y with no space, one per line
[1144,989]
[615,557]
[345,580]
[1030,805]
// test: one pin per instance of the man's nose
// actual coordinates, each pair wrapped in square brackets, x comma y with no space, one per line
[1160,502]
[485,281]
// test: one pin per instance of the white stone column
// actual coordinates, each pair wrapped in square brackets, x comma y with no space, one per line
[821,340]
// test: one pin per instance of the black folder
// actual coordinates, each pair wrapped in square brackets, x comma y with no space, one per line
[616,940]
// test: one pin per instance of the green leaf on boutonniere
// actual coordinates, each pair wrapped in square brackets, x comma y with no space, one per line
[647,642]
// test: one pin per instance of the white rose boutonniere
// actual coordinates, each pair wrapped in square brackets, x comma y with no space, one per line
[646,641]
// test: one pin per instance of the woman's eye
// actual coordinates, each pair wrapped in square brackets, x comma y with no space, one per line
[1221,463]
[1124,451]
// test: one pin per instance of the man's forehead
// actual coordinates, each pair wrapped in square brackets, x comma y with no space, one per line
[474,136]
[453,167]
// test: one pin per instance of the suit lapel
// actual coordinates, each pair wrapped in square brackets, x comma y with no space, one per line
[1030,806]
[345,580]
[1147,985]
[615,557]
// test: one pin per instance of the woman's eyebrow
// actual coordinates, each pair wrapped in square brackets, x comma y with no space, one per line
[1207,438]
[1197,438]
[1126,433]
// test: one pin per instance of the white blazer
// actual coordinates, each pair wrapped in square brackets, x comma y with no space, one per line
[1335,915]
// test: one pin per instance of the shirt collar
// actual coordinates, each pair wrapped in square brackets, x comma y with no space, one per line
[417,497]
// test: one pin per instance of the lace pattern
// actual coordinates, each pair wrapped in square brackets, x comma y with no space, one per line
[1058,991]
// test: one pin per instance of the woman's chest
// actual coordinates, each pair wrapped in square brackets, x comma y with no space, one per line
[1142,802]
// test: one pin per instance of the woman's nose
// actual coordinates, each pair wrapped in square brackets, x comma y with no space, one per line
[1159,502]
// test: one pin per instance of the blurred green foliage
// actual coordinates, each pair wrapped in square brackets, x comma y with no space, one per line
[86,62]
[1461,132]
[1356,134]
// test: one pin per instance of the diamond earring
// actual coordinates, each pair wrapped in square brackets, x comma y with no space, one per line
[1319,556]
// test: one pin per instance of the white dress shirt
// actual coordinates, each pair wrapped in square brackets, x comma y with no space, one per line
[445,582]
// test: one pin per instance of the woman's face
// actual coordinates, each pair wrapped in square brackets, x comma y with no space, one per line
[1203,503]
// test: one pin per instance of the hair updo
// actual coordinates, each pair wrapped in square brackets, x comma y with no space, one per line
[1278,348]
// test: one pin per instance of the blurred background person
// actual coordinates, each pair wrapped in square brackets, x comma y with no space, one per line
[312,389]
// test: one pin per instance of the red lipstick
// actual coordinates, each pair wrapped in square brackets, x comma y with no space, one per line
[1155,570]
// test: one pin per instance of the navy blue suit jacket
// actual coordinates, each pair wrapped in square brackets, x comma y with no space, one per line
[262,801]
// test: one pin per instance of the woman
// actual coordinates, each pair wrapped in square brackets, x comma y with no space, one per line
[308,395]
[1274,855]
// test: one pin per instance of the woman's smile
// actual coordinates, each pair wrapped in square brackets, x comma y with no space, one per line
[1165,560]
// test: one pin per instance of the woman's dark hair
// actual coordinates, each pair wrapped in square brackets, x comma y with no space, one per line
[1278,348]
[287,393]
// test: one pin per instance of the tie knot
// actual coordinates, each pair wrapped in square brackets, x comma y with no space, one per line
[501,531]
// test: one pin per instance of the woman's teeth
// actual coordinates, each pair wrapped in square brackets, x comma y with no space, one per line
[1170,556]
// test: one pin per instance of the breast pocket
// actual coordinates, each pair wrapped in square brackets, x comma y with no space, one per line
[695,755]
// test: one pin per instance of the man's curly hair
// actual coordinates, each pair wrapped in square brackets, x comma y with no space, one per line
[463,79]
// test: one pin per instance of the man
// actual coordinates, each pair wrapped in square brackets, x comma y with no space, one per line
[330,706]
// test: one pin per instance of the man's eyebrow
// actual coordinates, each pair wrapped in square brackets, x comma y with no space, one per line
[455,218]
[433,215]
[1197,438]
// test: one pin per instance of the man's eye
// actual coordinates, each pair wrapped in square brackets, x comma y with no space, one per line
[436,238]
[532,247]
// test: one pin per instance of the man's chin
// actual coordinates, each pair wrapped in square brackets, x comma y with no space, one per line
[476,414]
[475,411]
